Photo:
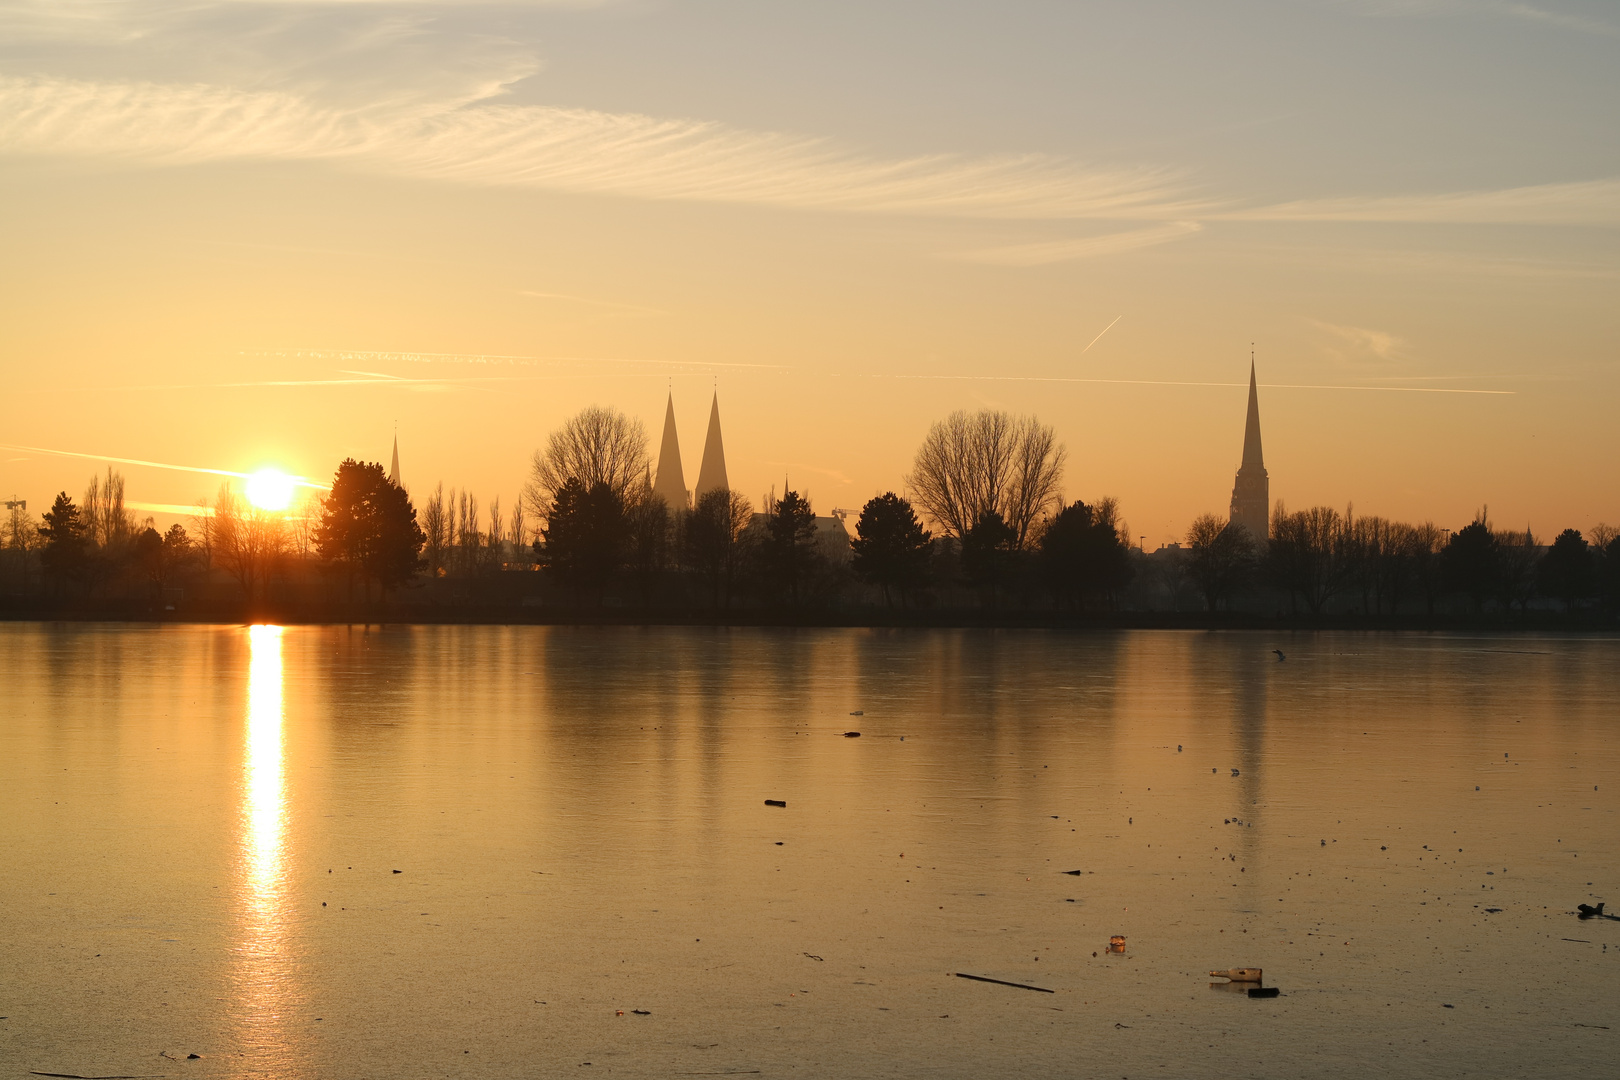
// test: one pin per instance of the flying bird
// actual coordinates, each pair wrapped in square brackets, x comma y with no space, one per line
[1280,656]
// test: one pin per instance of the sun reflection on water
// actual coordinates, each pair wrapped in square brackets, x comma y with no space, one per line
[263,968]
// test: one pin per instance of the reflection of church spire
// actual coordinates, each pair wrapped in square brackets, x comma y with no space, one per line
[1251,493]
[393,470]
[671,482]
[712,474]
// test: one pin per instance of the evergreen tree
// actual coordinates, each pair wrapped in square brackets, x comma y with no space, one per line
[1471,561]
[584,538]
[989,553]
[1568,571]
[64,554]
[368,525]
[789,549]
[1082,553]
[891,547]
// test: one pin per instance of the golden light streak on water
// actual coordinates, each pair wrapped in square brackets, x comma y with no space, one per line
[264,976]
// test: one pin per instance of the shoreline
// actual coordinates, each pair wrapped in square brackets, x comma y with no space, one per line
[1586,622]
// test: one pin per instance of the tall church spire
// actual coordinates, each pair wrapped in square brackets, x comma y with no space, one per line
[1251,492]
[712,474]
[393,470]
[671,482]
[1251,431]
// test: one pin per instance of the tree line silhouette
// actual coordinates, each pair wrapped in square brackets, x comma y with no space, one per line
[984,529]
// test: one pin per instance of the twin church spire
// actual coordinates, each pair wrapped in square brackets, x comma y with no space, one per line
[670,482]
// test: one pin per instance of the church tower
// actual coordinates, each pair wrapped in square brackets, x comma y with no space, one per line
[712,475]
[671,482]
[393,470]
[1251,494]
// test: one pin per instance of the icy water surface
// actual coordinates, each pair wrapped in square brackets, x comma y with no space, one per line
[507,852]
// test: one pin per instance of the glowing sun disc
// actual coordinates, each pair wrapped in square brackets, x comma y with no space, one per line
[270,489]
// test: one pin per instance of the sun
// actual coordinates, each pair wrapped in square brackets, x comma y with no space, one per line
[270,489]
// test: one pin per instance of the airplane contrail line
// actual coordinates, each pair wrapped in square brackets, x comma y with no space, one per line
[1173,382]
[301,480]
[1105,330]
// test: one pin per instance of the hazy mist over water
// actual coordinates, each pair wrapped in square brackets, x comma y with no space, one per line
[477,851]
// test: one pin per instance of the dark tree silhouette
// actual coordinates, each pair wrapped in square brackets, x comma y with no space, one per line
[712,540]
[65,554]
[970,465]
[989,553]
[647,535]
[788,553]
[1221,558]
[1568,571]
[1306,555]
[891,548]
[146,555]
[583,542]
[1471,562]
[1083,555]
[368,526]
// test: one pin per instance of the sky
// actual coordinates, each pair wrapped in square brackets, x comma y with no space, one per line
[243,234]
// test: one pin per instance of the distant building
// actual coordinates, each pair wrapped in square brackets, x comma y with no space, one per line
[671,481]
[393,470]
[1251,493]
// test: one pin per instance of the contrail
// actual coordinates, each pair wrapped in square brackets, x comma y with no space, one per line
[1172,382]
[1105,330]
[493,359]
[301,480]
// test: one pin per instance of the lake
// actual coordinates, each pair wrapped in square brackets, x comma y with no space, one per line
[538,851]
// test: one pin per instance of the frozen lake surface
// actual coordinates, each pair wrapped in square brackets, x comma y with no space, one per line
[529,851]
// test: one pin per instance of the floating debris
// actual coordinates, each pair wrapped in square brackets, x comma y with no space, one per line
[1242,974]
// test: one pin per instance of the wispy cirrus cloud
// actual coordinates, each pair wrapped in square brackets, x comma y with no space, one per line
[576,150]
[1360,342]
[1043,252]
[1559,17]
[1591,202]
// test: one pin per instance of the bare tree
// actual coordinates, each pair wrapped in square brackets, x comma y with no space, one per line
[436,525]
[597,446]
[987,462]
[1307,554]
[107,522]
[520,536]
[1221,558]
[247,540]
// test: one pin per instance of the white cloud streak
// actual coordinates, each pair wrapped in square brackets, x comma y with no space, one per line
[576,150]
[1045,252]
[1592,202]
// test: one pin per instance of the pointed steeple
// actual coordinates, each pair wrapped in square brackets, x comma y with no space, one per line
[1251,431]
[1251,491]
[671,482]
[393,470]
[712,474]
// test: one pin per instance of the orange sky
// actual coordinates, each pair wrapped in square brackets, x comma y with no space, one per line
[216,216]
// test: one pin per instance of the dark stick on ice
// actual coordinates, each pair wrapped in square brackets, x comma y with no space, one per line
[1004,982]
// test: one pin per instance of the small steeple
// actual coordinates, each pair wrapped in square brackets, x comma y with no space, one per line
[671,482]
[712,474]
[393,470]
